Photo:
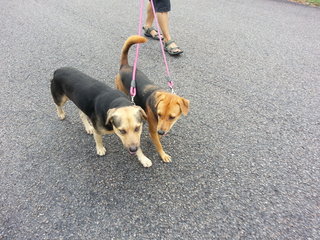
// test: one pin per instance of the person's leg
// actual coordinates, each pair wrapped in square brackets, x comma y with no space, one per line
[162,8]
[163,19]
[150,17]
[149,20]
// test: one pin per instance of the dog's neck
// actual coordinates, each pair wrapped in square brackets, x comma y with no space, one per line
[148,93]
[151,102]
[120,102]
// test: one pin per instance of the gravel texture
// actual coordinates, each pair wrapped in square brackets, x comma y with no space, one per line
[245,160]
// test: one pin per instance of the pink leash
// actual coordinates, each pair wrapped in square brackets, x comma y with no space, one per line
[170,82]
[133,90]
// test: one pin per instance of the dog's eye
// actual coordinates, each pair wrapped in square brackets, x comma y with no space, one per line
[137,129]
[123,132]
[159,115]
[171,117]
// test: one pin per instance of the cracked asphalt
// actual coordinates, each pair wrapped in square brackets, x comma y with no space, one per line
[245,159]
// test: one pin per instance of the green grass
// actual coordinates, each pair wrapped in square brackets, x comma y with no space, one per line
[311,2]
[315,2]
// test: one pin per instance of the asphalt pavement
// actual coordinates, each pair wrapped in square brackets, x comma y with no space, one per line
[245,159]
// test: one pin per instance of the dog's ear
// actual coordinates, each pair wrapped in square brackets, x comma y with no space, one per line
[142,113]
[184,105]
[110,116]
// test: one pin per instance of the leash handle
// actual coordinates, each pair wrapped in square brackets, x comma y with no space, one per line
[133,90]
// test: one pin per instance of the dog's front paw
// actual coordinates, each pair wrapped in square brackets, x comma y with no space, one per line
[165,157]
[143,159]
[146,162]
[89,129]
[101,151]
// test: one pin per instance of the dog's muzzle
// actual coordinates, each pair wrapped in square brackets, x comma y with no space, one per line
[161,132]
[133,150]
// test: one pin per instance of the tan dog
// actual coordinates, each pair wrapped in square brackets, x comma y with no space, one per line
[103,110]
[163,109]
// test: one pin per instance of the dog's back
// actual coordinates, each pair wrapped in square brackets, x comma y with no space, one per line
[75,83]
[83,90]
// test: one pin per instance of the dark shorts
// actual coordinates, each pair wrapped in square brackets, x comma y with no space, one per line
[162,5]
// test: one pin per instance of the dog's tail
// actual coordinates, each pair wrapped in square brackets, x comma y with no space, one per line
[126,46]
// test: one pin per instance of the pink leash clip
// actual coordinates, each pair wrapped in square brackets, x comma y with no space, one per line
[170,84]
[133,92]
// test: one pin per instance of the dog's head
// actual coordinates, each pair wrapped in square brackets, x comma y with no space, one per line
[127,124]
[169,108]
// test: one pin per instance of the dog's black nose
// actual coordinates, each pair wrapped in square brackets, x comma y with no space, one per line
[161,132]
[133,149]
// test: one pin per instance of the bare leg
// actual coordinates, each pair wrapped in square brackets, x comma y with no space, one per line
[149,19]
[163,18]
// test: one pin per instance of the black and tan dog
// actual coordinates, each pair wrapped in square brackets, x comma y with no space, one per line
[103,110]
[163,108]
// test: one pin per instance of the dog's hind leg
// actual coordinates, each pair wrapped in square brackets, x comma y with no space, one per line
[59,98]
[86,122]
[99,145]
[61,113]
[119,85]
